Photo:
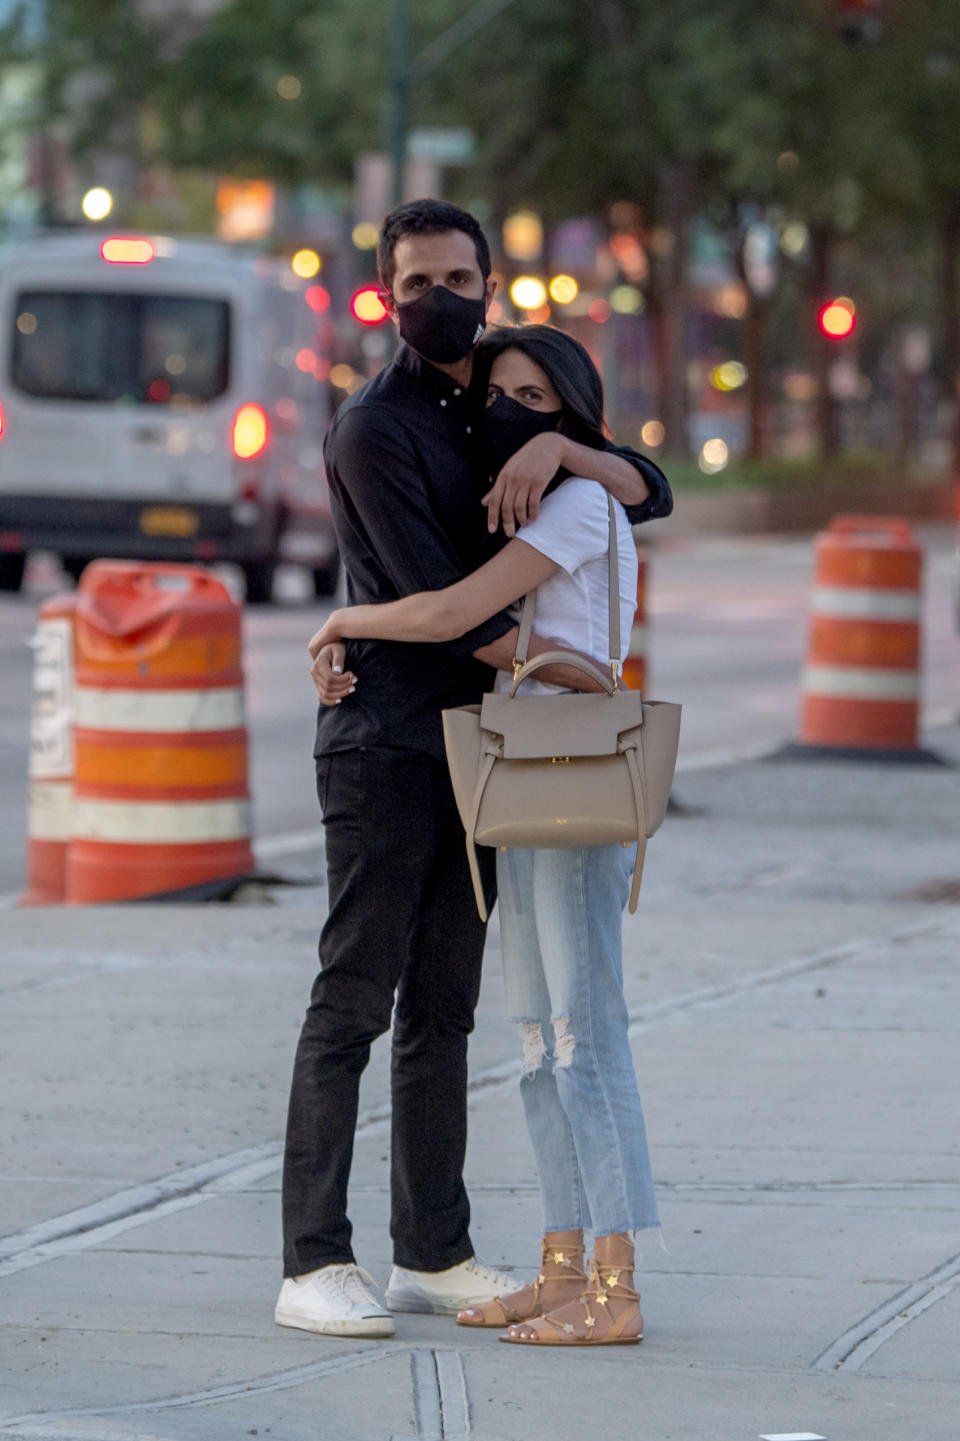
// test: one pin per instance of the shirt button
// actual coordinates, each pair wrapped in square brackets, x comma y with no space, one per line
[469,429]
[457,391]
[443,402]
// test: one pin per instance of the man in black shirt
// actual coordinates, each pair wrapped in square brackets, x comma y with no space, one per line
[407,482]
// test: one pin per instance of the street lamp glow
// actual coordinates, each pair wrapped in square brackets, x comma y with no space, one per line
[627,300]
[97,203]
[714,456]
[728,376]
[528,293]
[366,235]
[563,289]
[306,264]
[523,235]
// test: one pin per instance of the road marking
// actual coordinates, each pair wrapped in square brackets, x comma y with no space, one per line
[38,1423]
[857,1345]
[136,1206]
[440,1401]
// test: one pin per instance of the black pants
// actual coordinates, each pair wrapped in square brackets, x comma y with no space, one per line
[403,921]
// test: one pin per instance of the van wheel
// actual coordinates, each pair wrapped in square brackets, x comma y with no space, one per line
[259,578]
[11,571]
[326,577]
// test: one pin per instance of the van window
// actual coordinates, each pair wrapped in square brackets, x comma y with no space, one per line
[142,349]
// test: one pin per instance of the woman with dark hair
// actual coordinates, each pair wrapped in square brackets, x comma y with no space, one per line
[560,910]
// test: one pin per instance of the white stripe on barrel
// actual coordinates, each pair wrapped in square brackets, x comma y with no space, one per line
[855,682]
[49,807]
[143,711]
[864,603]
[160,822]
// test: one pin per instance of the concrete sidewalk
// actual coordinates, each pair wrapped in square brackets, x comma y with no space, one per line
[794,979]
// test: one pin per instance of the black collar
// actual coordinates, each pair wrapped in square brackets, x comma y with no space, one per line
[436,384]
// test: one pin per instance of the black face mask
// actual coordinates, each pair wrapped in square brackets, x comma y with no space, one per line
[507,425]
[441,326]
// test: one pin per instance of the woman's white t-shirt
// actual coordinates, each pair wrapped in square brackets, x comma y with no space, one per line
[572,606]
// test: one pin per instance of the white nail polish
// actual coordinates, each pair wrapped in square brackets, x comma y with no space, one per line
[338,670]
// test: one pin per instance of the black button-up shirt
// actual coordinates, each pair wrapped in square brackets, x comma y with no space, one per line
[406,478]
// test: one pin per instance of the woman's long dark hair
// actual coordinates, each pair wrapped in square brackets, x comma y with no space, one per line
[566,364]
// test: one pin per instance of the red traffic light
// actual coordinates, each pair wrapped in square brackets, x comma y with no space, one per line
[367,307]
[838,319]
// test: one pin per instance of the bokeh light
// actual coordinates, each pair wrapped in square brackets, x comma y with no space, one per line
[627,300]
[728,376]
[97,203]
[838,319]
[563,289]
[288,87]
[522,235]
[367,307]
[306,264]
[528,293]
[366,235]
[318,299]
[341,376]
[653,433]
[599,311]
[714,456]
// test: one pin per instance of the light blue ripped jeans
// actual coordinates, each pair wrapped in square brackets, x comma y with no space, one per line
[560,918]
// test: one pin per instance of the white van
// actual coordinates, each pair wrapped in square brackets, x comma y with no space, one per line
[161,399]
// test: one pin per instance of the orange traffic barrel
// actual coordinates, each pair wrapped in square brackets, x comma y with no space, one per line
[161,802]
[861,681]
[50,786]
[635,665]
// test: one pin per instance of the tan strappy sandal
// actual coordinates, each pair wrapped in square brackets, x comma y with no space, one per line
[561,1278]
[606,1314]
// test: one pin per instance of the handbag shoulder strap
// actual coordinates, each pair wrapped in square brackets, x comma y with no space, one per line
[613,575]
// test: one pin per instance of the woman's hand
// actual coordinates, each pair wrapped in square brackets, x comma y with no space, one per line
[328,655]
[517,491]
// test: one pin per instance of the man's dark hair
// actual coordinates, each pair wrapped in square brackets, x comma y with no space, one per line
[427,217]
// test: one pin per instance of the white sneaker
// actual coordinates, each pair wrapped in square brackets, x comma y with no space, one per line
[444,1293]
[335,1301]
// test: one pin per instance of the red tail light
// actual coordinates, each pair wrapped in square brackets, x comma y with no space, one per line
[126,250]
[1,422]
[250,432]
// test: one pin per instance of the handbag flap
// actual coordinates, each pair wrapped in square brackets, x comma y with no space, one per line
[534,727]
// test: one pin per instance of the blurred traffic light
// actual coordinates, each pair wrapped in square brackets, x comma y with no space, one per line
[838,319]
[367,307]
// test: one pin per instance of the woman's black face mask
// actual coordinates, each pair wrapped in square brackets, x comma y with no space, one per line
[508,425]
[441,326]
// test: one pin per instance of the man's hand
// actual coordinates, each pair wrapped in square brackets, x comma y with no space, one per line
[331,681]
[517,491]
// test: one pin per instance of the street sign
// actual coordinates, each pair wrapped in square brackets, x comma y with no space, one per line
[454,145]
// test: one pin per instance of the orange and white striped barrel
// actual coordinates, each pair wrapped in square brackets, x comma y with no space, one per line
[160,798]
[51,754]
[635,665]
[861,682]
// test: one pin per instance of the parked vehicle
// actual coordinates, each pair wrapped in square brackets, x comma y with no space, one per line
[159,399]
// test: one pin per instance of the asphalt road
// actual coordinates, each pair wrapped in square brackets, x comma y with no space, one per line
[727,622]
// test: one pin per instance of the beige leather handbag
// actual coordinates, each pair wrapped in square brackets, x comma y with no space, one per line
[565,770]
